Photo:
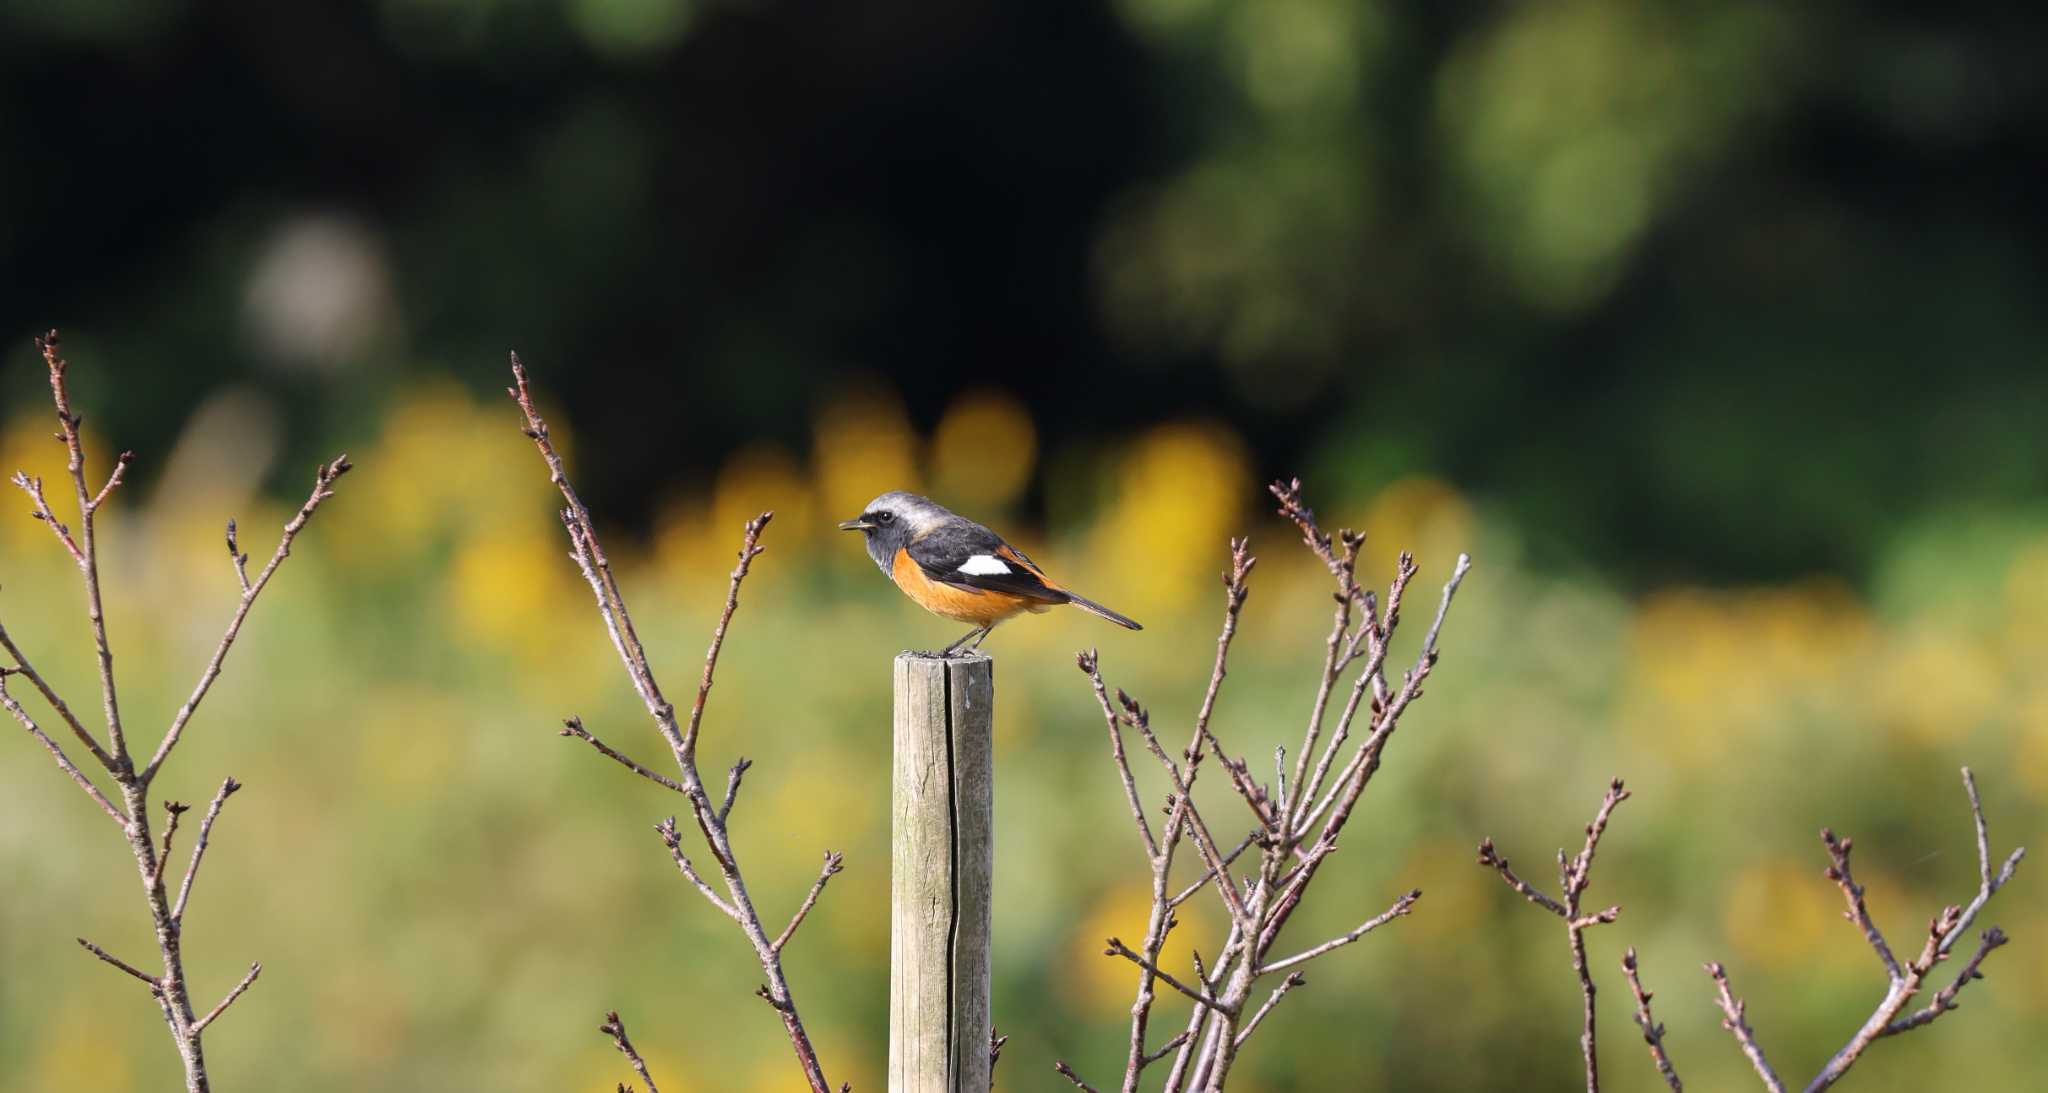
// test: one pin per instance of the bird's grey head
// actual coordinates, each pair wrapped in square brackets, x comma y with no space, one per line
[893,520]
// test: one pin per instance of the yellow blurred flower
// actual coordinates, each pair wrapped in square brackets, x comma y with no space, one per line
[1783,914]
[28,446]
[509,586]
[1106,985]
[984,451]
[1709,668]
[1424,516]
[1939,686]
[864,447]
[1178,496]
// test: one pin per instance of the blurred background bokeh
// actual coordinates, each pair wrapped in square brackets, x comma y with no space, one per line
[1712,331]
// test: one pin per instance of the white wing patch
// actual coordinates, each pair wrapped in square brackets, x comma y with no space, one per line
[984,565]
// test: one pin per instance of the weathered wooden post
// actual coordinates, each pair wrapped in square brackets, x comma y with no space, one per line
[941,866]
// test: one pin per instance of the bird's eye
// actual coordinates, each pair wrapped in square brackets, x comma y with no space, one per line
[884,517]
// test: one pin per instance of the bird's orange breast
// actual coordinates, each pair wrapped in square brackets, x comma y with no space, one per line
[979,606]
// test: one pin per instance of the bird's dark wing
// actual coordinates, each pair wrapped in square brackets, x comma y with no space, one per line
[964,554]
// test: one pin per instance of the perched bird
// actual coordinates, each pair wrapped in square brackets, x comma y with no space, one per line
[954,567]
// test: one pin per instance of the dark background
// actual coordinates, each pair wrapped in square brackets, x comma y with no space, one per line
[721,214]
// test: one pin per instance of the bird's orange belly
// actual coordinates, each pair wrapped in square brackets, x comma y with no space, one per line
[980,607]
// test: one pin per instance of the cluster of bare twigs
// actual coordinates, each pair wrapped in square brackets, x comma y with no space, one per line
[1298,817]
[166,909]
[1904,980]
[681,735]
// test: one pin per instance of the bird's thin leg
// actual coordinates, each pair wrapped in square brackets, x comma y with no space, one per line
[977,632]
[976,643]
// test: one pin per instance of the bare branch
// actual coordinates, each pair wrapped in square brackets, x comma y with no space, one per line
[227,789]
[1492,859]
[1118,948]
[1575,873]
[616,1029]
[1736,1022]
[596,568]
[833,862]
[324,477]
[1208,875]
[995,1054]
[674,841]
[573,726]
[1067,1072]
[169,987]
[732,786]
[254,971]
[1401,907]
[750,548]
[33,486]
[153,981]
[1942,934]
[113,480]
[1858,913]
[56,751]
[1261,901]
[1179,1038]
[1653,1033]
[78,729]
[84,551]
[1292,981]
[1087,662]
[238,559]
[1945,998]
[175,810]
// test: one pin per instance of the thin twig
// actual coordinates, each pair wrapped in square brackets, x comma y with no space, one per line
[616,1029]
[56,751]
[175,809]
[1942,934]
[324,477]
[254,971]
[85,552]
[596,568]
[1858,912]
[1294,980]
[1492,859]
[117,962]
[1118,948]
[238,559]
[170,987]
[833,862]
[995,1054]
[1945,998]
[220,797]
[1735,1020]
[1575,873]
[78,729]
[1067,1072]
[673,839]
[1401,907]
[573,726]
[1653,1033]
[732,787]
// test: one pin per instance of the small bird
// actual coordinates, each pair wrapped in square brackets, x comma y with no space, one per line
[954,567]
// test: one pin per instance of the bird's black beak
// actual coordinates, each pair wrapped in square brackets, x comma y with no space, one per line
[855,524]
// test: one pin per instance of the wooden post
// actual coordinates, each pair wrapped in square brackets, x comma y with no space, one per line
[941,866]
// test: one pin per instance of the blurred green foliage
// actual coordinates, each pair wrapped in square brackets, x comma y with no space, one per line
[1711,330]
[444,892]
